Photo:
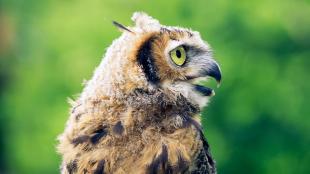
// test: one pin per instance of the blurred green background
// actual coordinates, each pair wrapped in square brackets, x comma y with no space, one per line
[259,121]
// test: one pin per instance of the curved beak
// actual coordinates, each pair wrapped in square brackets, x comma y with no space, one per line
[214,71]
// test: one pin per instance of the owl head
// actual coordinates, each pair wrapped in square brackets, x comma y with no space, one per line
[150,56]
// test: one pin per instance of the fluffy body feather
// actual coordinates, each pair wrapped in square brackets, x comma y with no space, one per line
[140,112]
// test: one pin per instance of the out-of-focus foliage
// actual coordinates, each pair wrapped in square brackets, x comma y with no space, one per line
[259,121]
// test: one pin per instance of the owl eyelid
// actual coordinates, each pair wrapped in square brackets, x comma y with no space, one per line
[182,45]
[194,49]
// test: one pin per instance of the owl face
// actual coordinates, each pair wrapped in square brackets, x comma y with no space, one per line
[176,58]
[153,56]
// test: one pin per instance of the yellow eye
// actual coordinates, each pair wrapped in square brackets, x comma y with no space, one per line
[178,55]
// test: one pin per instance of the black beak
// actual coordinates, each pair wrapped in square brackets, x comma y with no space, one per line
[214,71]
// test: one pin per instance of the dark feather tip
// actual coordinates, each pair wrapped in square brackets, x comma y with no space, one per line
[121,27]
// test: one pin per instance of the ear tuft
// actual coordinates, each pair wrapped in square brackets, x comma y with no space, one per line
[144,21]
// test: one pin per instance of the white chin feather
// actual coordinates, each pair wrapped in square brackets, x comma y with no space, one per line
[188,91]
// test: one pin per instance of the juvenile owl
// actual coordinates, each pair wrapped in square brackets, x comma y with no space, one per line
[140,111]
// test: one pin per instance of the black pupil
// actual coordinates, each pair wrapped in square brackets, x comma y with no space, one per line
[178,53]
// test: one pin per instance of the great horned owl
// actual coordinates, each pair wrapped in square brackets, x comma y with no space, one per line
[140,111]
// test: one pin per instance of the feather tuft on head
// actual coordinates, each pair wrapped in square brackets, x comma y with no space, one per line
[145,22]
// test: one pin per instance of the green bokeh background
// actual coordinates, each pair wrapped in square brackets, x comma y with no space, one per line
[259,121]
